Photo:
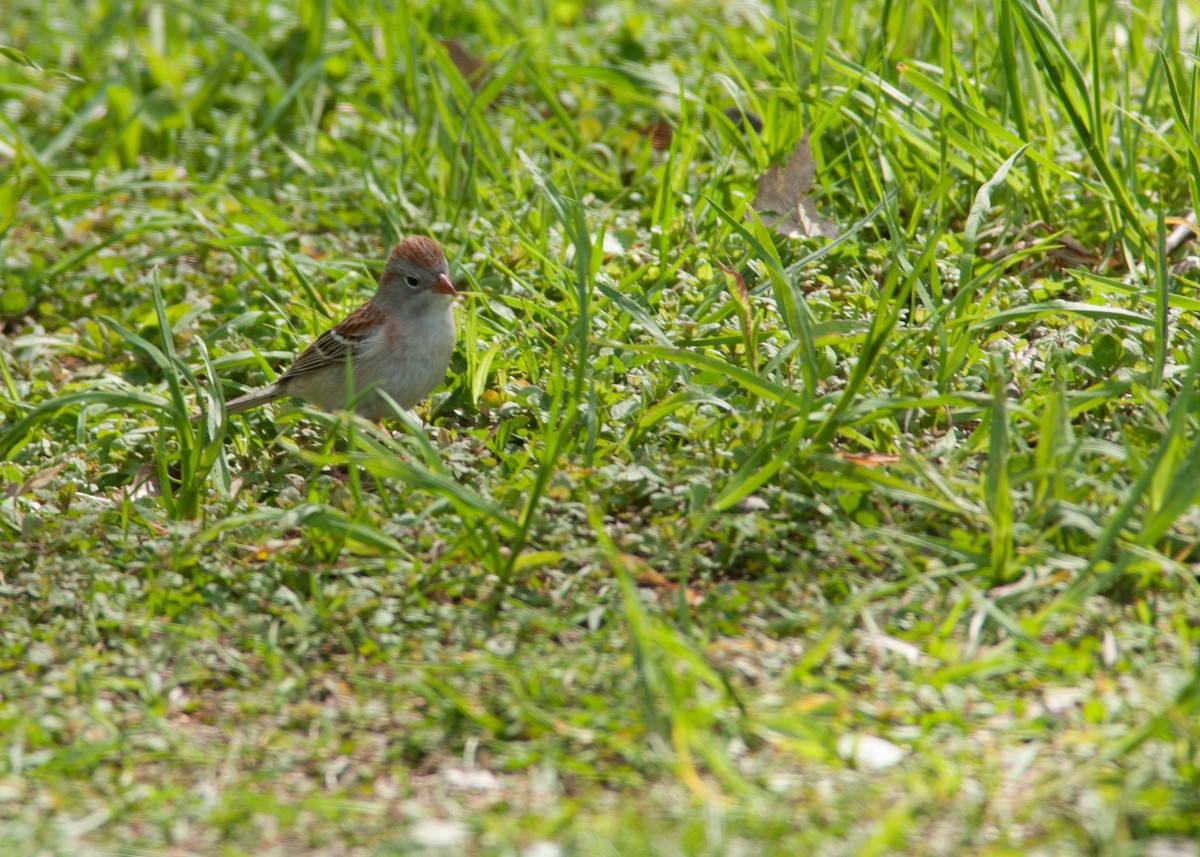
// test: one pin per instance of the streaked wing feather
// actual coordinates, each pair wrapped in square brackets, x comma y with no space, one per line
[331,347]
[327,350]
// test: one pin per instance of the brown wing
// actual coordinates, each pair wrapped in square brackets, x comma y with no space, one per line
[332,346]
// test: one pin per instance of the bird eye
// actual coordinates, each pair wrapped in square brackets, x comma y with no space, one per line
[412,281]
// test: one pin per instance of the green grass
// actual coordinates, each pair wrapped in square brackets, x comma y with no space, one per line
[894,555]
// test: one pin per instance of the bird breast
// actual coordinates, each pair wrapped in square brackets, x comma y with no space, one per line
[407,362]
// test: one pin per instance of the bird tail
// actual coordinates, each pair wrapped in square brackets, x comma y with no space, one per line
[253,399]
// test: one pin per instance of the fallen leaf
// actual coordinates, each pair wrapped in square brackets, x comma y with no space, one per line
[652,579]
[471,67]
[41,479]
[1057,247]
[780,200]
[660,133]
[868,459]
[145,483]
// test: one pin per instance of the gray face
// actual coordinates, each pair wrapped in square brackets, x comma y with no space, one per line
[414,286]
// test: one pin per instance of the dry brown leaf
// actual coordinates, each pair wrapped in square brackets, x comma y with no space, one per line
[471,67]
[649,577]
[38,480]
[868,459]
[1059,248]
[660,133]
[780,200]
[145,483]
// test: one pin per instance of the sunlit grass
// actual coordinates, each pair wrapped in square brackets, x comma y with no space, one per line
[715,540]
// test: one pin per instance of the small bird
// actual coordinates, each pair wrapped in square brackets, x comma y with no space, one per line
[400,341]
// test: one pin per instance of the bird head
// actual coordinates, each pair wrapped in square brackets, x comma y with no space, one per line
[416,273]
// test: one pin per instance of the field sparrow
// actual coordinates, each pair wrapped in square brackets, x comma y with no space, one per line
[400,341]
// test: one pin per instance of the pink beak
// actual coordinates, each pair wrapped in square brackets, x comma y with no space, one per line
[444,286]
